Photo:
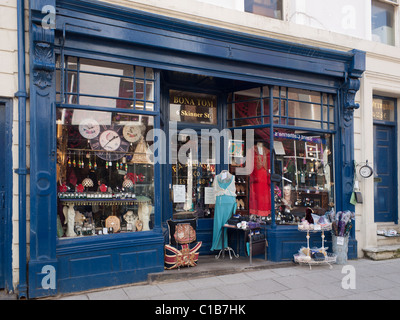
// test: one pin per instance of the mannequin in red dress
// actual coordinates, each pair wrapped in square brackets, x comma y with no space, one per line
[260,182]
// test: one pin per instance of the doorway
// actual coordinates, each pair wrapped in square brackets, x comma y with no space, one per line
[385,160]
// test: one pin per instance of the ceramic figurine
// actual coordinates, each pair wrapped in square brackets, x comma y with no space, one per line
[70,220]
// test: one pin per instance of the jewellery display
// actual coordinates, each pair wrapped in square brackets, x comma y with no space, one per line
[313,256]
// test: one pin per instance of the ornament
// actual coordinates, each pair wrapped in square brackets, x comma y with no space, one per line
[87,183]
[127,184]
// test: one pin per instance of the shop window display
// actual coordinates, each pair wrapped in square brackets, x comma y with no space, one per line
[303,158]
[105,169]
[305,161]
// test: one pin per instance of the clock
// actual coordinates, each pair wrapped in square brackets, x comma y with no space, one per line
[366,171]
[89,128]
[109,144]
[132,133]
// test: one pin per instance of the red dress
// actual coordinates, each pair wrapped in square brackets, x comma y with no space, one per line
[260,184]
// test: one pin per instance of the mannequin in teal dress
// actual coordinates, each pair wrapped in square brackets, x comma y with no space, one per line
[225,207]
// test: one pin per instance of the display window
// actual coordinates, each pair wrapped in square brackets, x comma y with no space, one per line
[305,162]
[302,156]
[105,167]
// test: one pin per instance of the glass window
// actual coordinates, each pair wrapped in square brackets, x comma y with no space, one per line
[382,22]
[303,159]
[305,162]
[105,170]
[383,109]
[105,84]
[294,107]
[268,8]
[105,173]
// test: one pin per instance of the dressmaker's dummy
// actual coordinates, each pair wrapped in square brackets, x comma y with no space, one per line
[225,207]
[260,182]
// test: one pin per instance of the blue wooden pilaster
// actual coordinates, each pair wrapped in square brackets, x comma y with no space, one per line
[42,267]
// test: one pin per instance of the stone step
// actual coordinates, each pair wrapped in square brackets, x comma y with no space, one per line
[383,252]
[385,240]
[388,241]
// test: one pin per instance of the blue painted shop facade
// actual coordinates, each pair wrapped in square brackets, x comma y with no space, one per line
[166,56]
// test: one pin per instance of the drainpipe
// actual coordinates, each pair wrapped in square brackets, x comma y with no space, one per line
[22,170]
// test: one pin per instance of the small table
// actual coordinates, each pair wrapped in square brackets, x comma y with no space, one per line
[232,227]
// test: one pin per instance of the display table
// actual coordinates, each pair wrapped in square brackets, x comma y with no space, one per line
[247,232]
[307,259]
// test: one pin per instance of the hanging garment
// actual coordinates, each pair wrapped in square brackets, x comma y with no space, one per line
[260,183]
[225,207]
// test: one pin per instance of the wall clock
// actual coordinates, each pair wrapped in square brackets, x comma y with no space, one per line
[132,133]
[89,128]
[366,171]
[109,144]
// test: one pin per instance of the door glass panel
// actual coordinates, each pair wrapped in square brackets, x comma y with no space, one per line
[193,171]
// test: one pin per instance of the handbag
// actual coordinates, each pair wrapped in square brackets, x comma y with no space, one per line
[184,233]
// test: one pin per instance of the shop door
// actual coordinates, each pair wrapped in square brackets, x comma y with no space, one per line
[193,175]
[2,194]
[385,161]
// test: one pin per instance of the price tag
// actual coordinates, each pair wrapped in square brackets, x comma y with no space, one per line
[340,241]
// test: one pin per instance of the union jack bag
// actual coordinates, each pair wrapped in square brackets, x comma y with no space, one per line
[185,257]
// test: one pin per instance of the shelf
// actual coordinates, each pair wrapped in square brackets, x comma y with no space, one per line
[103,202]
[330,258]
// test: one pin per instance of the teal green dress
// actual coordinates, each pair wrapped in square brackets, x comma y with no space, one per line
[225,207]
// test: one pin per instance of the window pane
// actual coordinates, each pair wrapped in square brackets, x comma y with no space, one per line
[383,109]
[105,173]
[107,84]
[306,111]
[304,95]
[268,8]
[305,161]
[382,22]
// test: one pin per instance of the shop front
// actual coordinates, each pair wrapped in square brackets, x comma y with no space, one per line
[134,116]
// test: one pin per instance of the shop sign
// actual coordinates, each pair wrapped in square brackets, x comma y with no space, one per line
[299,137]
[193,107]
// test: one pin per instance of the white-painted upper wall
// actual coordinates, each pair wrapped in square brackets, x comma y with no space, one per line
[349,17]
[230,4]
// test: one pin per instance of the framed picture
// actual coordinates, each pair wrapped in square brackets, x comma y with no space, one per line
[236,148]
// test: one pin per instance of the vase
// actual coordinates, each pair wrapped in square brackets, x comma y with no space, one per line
[340,247]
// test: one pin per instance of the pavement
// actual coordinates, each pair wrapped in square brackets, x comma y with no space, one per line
[235,279]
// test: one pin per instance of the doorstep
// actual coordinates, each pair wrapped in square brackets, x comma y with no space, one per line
[383,252]
[208,265]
